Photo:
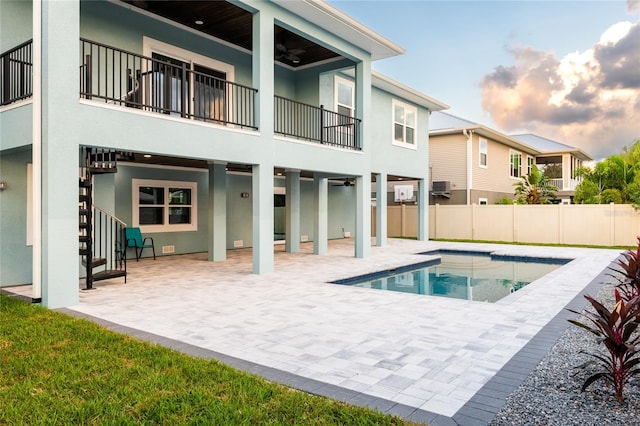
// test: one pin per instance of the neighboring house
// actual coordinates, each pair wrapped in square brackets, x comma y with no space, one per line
[187,120]
[473,164]
[559,161]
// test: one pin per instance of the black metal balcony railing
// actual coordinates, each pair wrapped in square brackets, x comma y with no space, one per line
[16,73]
[316,124]
[163,86]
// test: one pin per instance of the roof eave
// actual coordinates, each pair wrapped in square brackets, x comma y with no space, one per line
[388,84]
[343,26]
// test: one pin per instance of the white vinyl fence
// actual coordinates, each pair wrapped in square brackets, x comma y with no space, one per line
[593,224]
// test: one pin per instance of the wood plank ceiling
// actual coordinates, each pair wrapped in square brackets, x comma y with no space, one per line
[233,24]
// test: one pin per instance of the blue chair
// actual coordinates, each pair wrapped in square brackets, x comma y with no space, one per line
[135,240]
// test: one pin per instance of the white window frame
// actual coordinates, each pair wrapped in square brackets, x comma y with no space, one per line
[511,154]
[410,108]
[485,151]
[166,184]
[151,46]
[343,81]
[530,163]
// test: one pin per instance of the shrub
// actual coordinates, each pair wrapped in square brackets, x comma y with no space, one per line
[616,330]
[611,196]
[629,268]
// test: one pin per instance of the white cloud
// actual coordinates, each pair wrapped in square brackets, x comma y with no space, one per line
[633,6]
[588,99]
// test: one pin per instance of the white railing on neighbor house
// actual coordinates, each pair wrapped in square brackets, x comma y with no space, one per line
[559,183]
[587,224]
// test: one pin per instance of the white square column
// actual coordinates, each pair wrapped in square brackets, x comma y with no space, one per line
[292,211]
[320,215]
[381,209]
[217,212]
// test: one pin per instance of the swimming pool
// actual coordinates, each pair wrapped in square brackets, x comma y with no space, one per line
[461,275]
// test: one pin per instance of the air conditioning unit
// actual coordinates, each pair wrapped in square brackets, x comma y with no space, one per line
[403,193]
[441,188]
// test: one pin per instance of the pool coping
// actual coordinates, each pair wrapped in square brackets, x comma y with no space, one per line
[478,410]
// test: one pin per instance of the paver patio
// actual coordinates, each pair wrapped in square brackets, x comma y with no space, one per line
[422,357]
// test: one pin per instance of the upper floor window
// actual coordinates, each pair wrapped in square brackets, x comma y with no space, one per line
[345,96]
[404,124]
[483,152]
[164,206]
[515,161]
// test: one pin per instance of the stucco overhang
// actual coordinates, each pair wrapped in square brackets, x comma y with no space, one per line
[343,26]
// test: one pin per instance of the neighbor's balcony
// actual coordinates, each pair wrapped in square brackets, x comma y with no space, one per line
[559,183]
[16,74]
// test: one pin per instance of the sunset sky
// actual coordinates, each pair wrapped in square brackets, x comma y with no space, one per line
[565,70]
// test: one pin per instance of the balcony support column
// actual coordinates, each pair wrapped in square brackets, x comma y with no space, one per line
[423,210]
[381,209]
[217,212]
[292,212]
[363,216]
[262,204]
[58,198]
[320,214]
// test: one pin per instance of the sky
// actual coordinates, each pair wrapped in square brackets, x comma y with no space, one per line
[565,70]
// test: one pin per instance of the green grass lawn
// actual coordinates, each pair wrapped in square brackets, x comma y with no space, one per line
[55,369]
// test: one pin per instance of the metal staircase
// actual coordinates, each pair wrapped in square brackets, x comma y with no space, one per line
[101,235]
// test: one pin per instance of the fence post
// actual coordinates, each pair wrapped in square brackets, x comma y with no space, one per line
[515,224]
[435,221]
[473,221]
[561,211]
[612,224]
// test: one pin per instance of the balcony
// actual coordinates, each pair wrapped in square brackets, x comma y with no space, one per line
[167,86]
[16,74]
[307,122]
[559,183]
[163,86]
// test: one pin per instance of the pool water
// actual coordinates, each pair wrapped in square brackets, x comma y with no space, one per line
[478,276]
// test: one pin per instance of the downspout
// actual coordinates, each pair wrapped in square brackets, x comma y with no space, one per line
[469,135]
[36,154]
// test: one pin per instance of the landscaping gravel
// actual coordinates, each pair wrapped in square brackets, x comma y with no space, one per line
[551,395]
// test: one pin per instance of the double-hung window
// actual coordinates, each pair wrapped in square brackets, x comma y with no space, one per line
[483,149]
[404,124]
[515,161]
[345,96]
[529,165]
[164,206]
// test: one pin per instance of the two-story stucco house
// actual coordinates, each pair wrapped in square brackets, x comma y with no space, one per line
[186,120]
[474,164]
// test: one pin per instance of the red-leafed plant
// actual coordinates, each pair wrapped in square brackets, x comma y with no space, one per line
[629,269]
[616,329]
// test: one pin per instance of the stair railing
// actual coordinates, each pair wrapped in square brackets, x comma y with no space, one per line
[108,241]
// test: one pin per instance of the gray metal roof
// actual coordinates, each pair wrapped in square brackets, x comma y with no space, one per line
[442,120]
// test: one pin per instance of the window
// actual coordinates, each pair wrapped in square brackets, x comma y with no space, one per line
[204,94]
[344,96]
[483,152]
[529,165]
[404,124]
[164,206]
[515,160]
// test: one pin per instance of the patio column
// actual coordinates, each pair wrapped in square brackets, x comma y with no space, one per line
[217,212]
[292,212]
[59,156]
[320,214]
[381,209]
[363,216]
[262,193]
[423,211]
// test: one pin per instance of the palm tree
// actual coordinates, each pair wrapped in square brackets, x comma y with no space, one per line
[535,188]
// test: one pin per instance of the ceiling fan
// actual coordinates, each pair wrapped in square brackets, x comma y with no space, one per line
[347,182]
[292,55]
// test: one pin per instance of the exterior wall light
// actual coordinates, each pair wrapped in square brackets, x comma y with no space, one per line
[3,185]
[244,195]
